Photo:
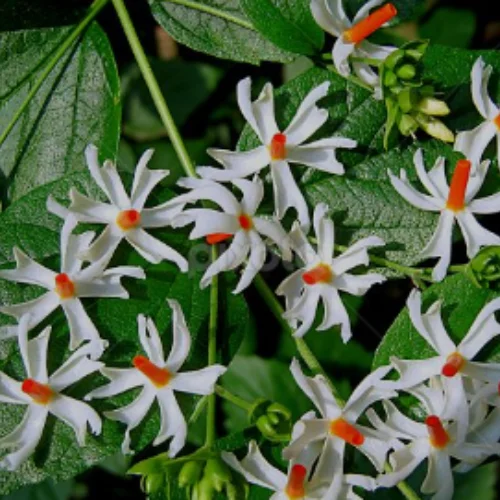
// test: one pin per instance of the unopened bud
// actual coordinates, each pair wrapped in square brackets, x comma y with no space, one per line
[204,490]
[390,79]
[406,100]
[484,268]
[407,125]
[434,127]
[190,473]
[218,472]
[151,483]
[394,58]
[406,72]
[432,106]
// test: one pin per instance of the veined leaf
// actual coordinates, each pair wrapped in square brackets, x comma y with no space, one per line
[218,28]
[77,104]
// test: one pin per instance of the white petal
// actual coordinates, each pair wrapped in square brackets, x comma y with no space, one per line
[317,390]
[173,423]
[292,288]
[486,205]
[308,117]
[487,372]
[304,310]
[287,194]
[34,352]
[330,16]
[302,247]
[368,76]
[77,415]
[429,325]
[256,469]
[107,178]
[476,180]
[356,255]
[306,432]
[263,111]
[432,396]
[72,246]
[161,215]
[325,233]
[145,180]
[56,208]
[374,51]
[273,230]
[200,382]
[28,271]
[415,371]
[253,192]
[150,340]
[335,313]
[155,250]
[181,343]
[133,414]
[475,235]
[25,437]
[435,180]
[121,380]
[81,328]
[365,10]
[472,143]
[440,245]
[340,54]
[237,164]
[207,221]
[255,261]
[10,391]
[357,284]
[411,195]
[375,447]
[480,77]
[330,467]
[230,259]
[439,479]
[88,210]
[484,328]
[103,248]
[103,288]
[455,405]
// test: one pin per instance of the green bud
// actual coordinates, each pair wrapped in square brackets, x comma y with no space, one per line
[390,79]
[484,268]
[434,127]
[406,72]
[407,125]
[406,100]
[151,483]
[190,473]
[218,472]
[204,490]
[238,489]
[394,58]
[432,106]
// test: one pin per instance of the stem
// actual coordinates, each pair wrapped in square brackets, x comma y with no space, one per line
[212,350]
[352,78]
[154,88]
[306,354]
[236,400]
[95,8]
[214,12]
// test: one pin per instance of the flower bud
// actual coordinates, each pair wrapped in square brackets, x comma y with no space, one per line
[190,473]
[204,490]
[218,472]
[407,125]
[151,483]
[394,58]
[432,106]
[434,127]
[406,72]
[484,268]
[390,79]
[406,100]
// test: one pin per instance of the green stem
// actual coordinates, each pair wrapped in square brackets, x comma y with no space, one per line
[236,400]
[154,88]
[368,60]
[306,354]
[212,349]
[95,8]
[214,12]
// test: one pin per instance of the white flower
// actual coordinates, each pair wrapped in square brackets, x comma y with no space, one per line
[351,37]
[279,149]
[324,276]
[472,143]
[66,288]
[453,362]
[159,378]
[237,220]
[297,483]
[455,203]
[42,394]
[436,440]
[337,426]
[125,216]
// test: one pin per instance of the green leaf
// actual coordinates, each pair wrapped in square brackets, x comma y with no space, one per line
[185,86]
[47,490]
[462,302]
[77,104]
[460,27]
[218,28]
[287,23]
[27,225]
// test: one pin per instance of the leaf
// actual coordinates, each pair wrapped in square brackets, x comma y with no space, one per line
[47,490]
[218,28]
[478,483]
[185,86]
[77,104]
[287,23]
[27,225]
[462,302]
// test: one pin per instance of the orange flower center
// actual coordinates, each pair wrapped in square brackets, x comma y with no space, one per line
[40,393]
[437,433]
[295,487]
[159,376]
[370,24]
[322,273]
[245,222]
[213,239]
[496,121]
[65,288]
[278,147]
[128,219]
[454,363]
[458,187]
[344,430]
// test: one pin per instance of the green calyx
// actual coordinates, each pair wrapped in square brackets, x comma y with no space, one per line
[273,420]
[484,269]
[410,102]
